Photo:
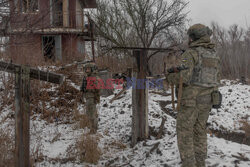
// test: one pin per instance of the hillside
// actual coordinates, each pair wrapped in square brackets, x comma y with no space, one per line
[58,136]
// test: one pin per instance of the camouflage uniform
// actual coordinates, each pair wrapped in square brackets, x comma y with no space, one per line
[196,95]
[92,95]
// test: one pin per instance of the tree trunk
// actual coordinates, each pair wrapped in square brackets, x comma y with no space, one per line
[140,99]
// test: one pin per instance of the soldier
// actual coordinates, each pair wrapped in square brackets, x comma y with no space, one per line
[199,93]
[91,93]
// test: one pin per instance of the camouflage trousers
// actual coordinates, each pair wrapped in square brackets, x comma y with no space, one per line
[91,111]
[191,126]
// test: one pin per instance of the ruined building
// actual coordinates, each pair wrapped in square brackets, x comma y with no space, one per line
[44,30]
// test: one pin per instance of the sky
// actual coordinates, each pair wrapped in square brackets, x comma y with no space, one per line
[224,12]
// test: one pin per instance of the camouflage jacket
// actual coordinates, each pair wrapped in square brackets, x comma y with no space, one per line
[92,87]
[189,59]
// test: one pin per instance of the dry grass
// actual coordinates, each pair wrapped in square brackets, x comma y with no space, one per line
[119,145]
[56,104]
[51,104]
[36,154]
[7,145]
[82,120]
[6,90]
[88,150]
[59,103]
[246,127]
[7,148]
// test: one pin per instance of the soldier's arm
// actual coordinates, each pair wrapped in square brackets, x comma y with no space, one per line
[188,59]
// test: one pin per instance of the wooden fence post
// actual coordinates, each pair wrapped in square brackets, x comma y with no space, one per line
[22,114]
[22,105]
[140,129]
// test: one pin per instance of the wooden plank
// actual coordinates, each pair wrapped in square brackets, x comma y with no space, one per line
[34,73]
[65,13]
[22,115]
[26,113]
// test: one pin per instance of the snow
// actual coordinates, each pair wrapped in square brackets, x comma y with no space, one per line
[235,107]
[56,139]
[221,151]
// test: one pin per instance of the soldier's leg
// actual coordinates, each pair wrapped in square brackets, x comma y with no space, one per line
[185,121]
[92,113]
[200,134]
[95,117]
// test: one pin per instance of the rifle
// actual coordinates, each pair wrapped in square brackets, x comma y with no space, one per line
[83,88]
[84,85]
[176,70]
[85,62]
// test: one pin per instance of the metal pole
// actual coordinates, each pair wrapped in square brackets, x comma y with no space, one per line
[92,39]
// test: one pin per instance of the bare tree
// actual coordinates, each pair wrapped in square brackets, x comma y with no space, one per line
[140,23]
[233,49]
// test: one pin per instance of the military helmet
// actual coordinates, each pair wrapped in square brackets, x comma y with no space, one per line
[91,65]
[198,31]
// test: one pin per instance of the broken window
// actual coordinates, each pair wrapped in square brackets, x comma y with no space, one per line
[81,47]
[30,5]
[52,49]
[49,47]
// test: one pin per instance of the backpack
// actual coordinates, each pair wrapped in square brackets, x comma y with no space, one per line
[206,72]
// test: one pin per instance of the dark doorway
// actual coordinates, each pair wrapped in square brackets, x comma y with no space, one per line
[49,47]
[52,48]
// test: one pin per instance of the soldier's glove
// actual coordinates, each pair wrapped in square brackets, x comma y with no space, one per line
[172,78]
[84,85]
[173,74]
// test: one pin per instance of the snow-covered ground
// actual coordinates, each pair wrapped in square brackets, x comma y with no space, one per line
[56,140]
[235,107]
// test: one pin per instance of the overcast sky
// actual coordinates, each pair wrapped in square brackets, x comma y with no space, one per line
[225,12]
